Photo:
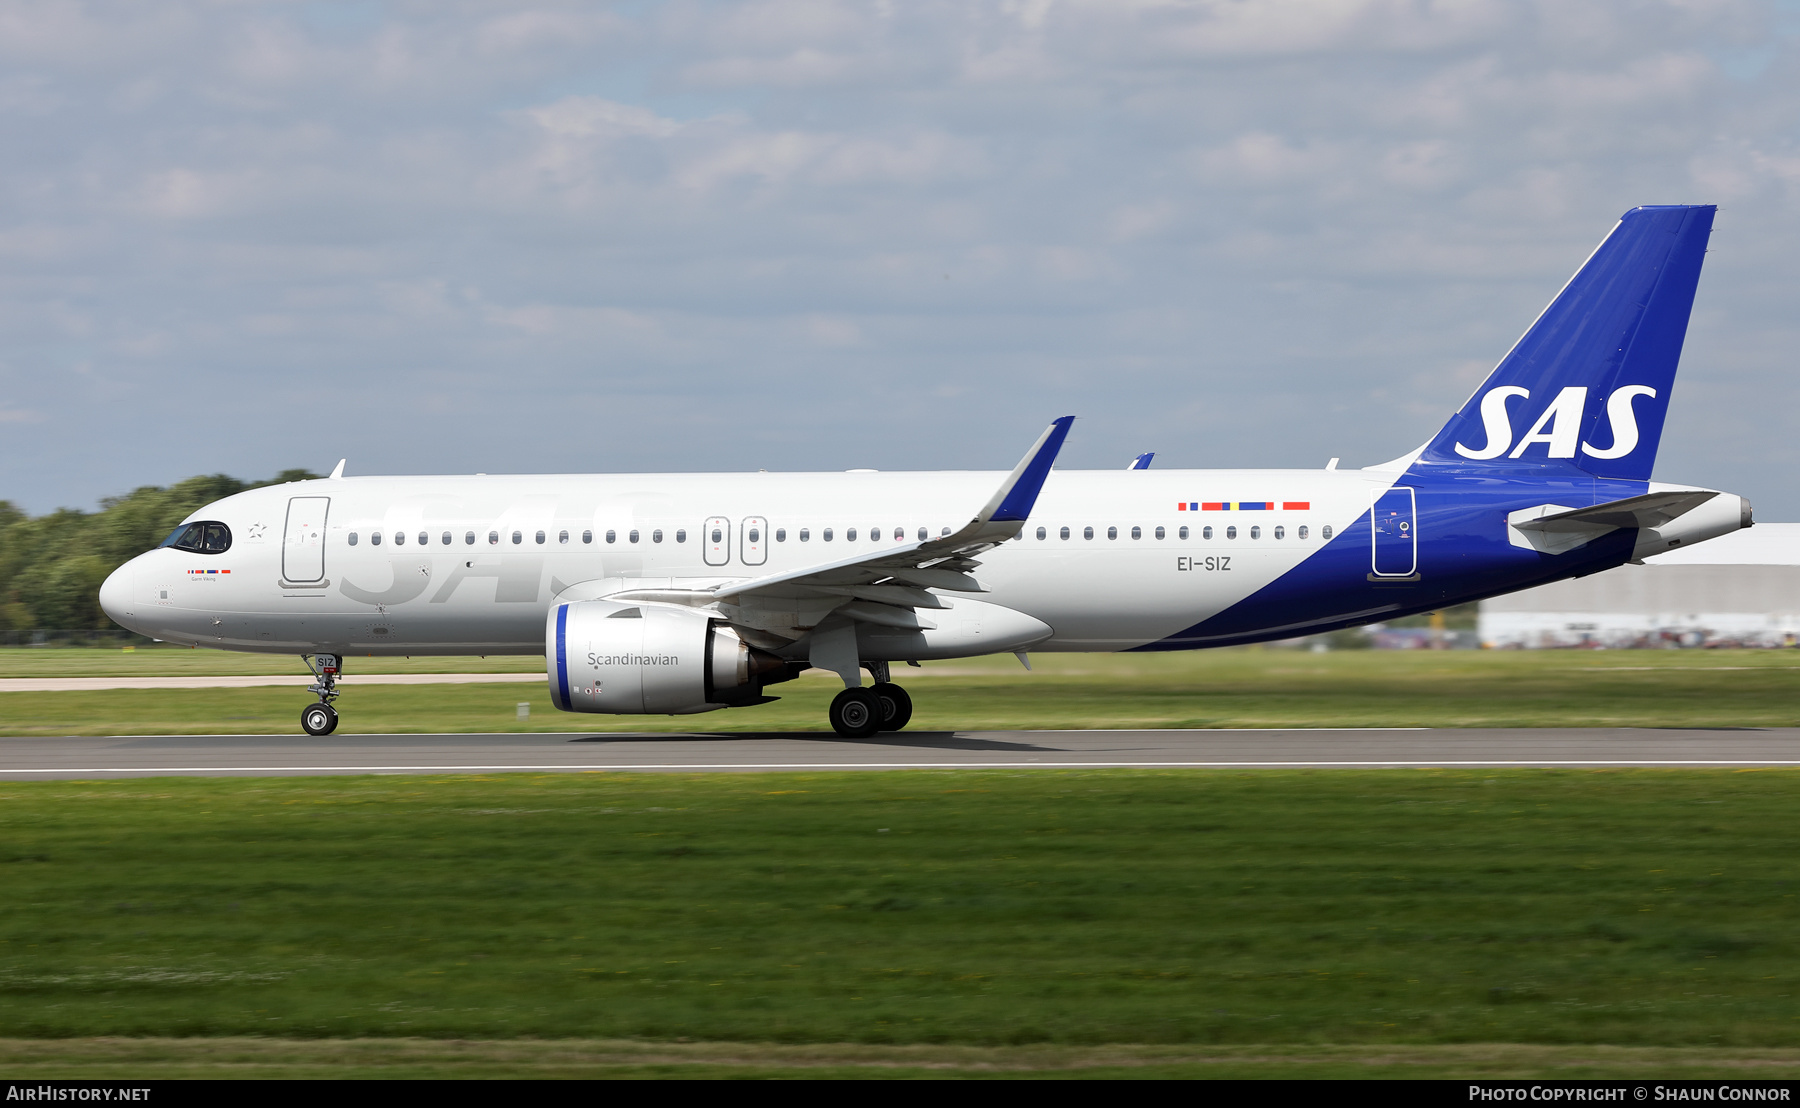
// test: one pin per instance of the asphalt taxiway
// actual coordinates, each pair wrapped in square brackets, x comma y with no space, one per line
[50,758]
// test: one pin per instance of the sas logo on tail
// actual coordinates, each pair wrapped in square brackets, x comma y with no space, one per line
[1560,425]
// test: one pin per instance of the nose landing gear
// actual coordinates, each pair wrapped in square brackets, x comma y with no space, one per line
[321,718]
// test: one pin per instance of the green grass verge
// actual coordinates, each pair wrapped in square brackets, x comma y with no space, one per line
[1236,688]
[979,908]
[164,1058]
[179,661]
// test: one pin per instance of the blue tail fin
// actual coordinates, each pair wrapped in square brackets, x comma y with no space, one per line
[1589,384]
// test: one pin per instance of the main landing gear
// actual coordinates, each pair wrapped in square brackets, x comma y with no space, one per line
[858,713]
[321,718]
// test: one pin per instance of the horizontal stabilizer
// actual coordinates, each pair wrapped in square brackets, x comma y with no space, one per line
[1653,509]
[1555,529]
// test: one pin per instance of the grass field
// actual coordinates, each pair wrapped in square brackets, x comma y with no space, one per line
[1033,921]
[1221,688]
[175,661]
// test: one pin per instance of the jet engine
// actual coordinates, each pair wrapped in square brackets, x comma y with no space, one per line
[639,659]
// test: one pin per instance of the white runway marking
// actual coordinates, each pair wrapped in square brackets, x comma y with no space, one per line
[95,684]
[46,757]
[715,766]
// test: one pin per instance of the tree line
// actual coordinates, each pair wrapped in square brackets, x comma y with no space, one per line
[51,566]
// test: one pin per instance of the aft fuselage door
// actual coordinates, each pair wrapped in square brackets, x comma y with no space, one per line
[1396,533]
[303,544]
[753,548]
[716,536]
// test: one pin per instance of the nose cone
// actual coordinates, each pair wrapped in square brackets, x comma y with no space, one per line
[115,595]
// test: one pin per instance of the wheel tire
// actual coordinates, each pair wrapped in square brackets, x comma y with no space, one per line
[855,713]
[896,706]
[319,719]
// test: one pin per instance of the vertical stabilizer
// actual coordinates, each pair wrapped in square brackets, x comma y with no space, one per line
[1588,385]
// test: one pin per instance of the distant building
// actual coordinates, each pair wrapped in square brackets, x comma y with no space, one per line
[1741,589]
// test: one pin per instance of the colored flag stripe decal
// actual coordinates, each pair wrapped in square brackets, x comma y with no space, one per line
[1243,505]
[203,572]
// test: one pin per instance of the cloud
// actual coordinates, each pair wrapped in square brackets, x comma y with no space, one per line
[552,235]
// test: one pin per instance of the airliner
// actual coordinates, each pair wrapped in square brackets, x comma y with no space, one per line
[679,593]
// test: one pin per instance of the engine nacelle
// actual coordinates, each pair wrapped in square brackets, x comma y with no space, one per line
[638,659]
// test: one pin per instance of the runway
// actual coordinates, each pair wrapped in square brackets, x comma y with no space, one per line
[55,758]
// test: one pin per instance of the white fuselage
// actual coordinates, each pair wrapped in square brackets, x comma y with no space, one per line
[469,565]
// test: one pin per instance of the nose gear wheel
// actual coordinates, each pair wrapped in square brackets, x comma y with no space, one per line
[319,719]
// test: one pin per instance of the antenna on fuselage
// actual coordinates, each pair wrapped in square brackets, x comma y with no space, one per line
[339,471]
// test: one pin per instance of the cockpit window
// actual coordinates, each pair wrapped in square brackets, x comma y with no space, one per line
[205,537]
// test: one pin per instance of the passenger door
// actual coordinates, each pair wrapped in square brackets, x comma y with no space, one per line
[1395,533]
[303,544]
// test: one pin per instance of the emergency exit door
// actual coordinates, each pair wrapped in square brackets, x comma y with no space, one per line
[1395,533]
[303,543]
[715,538]
[753,548]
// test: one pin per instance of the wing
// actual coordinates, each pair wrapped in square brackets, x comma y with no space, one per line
[888,586]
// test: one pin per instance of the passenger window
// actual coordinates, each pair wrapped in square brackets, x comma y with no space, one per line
[1065,532]
[1112,532]
[1042,534]
[493,538]
[805,534]
[1137,532]
[827,535]
[469,538]
[681,534]
[781,534]
[587,538]
[923,533]
[446,538]
[1281,532]
[718,536]
[399,538]
[353,538]
[518,537]
[850,535]
[755,534]
[1161,534]
[540,538]
[562,537]
[633,537]
[1183,533]
[1303,530]
[1325,531]
[899,534]
[424,539]
[374,538]
[944,532]
[1231,532]
[1087,532]
[1256,532]
[656,535]
[612,537]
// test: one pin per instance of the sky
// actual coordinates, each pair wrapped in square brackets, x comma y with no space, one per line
[789,235]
